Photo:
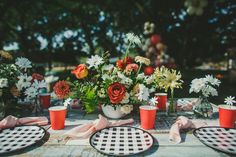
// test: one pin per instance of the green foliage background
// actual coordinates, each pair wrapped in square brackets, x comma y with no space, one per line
[71,29]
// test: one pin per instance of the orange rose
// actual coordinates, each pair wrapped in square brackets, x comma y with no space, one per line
[81,71]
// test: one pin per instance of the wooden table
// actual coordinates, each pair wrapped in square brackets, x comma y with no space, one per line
[190,146]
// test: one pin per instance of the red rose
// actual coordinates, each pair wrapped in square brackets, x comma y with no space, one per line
[121,64]
[116,92]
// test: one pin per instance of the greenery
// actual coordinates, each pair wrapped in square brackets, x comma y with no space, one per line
[66,30]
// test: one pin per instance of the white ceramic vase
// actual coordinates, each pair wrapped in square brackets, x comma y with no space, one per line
[110,112]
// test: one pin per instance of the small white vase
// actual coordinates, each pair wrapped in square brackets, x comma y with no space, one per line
[110,112]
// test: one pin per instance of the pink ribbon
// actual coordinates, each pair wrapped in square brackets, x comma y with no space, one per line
[182,123]
[86,130]
[11,121]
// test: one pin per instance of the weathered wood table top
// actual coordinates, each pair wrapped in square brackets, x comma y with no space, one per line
[56,147]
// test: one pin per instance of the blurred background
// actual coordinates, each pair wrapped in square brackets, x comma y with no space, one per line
[198,38]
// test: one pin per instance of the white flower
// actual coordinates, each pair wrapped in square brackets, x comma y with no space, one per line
[143,93]
[133,38]
[125,80]
[108,67]
[149,28]
[153,101]
[150,79]
[39,84]
[67,102]
[23,63]
[23,82]
[95,61]
[31,93]
[197,85]
[102,93]
[209,91]
[3,82]
[212,80]
[140,76]
[126,109]
[125,99]
[51,79]
[230,100]
[105,76]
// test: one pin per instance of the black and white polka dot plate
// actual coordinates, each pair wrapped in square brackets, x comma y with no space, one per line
[121,141]
[20,137]
[221,139]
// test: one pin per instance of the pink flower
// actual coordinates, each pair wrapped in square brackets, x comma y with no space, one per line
[131,67]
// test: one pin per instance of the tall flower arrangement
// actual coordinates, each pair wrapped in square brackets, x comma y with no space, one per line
[124,84]
[168,79]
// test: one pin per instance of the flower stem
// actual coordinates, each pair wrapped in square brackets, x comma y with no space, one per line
[127,52]
[172,106]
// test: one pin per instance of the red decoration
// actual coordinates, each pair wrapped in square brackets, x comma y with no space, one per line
[149,70]
[61,89]
[155,39]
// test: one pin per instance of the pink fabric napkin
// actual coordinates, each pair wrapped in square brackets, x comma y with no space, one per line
[86,130]
[11,121]
[182,123]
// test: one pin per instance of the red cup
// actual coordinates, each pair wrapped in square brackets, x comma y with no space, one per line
[162,99]
[45,100]
[147,116]
[227,116]
[57,117]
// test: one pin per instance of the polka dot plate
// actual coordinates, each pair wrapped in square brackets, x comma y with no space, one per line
[121,141]
[221,139]
[20,137]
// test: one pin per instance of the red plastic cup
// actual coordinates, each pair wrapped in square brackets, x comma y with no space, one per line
[147,116]
[57,117]
[162,100]
[45,100]
[227,116]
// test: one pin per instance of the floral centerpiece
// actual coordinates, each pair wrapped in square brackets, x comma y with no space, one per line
[16,81]
[30,85]
[205,87]
[8,78]
[115,87]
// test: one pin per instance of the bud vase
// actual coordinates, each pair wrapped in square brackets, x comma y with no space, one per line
[203,108]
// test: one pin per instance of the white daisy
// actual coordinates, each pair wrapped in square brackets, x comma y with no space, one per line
[212,80]
[153,101]
[39,84]
[197,85]
[67,102]
[31,93]
[23,63]
[108,67]
[143,93]
[133,39]
[230,100]
[105,76]
[23,82]
[3,82]
[95,61]
[140,76]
